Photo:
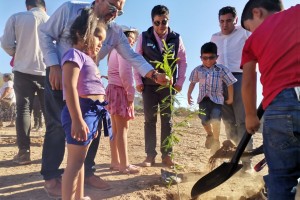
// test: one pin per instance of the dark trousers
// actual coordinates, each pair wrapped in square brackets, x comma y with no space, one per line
[153,98]
[234,116]
[54,142]
[37,112]
[25,86]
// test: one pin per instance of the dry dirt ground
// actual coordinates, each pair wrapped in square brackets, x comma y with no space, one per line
[25,182]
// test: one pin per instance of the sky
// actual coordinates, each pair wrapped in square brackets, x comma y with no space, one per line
[194,20]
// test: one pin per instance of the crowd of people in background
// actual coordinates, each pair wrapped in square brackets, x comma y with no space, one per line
[58,78]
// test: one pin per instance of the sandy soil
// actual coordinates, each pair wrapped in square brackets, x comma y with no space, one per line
[25,182]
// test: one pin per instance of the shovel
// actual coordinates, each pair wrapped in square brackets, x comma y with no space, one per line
[226,170]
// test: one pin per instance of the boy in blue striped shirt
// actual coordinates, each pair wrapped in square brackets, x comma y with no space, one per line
[211,77]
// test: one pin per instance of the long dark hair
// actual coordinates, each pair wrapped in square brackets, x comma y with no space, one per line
[84,28]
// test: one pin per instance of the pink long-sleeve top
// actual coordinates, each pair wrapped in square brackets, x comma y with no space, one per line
[120,73]
[182,64]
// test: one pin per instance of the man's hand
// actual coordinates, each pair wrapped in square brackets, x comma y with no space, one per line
[55,77]
[159,78]
[229,101]
[162,79]
[140,88]
[252,123]
[178,88]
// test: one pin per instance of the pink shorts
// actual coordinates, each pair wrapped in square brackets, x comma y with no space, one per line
[117,102]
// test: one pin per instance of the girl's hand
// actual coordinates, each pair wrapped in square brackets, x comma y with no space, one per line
[79,130]
[130,104]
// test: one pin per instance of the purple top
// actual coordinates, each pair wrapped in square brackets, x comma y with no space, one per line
[89,80]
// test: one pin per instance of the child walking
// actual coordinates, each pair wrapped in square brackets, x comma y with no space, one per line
[84,95]
[120,95]
[211,77]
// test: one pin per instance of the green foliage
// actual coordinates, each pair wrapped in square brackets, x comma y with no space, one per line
[168,102]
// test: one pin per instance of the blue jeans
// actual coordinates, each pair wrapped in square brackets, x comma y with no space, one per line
[54,142]
[25,86]
[212,111]
[281,140]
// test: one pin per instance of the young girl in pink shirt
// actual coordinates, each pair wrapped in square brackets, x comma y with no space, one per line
[84,95]
[120,95]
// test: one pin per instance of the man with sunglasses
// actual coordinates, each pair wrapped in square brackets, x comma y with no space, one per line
[150,45]
[57,29]
[230,42]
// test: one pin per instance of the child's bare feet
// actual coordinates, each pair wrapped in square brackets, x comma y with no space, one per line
[131,169]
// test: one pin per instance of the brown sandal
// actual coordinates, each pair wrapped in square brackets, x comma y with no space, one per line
[114,168]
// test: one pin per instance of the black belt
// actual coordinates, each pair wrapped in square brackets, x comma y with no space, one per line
[237,73]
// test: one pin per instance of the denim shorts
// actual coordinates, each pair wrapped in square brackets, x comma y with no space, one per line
[281,140]
[92,112]
[211,110]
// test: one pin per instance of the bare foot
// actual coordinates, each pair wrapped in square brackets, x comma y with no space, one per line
[131,169]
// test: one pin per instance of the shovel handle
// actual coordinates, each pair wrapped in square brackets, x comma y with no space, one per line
[246,138]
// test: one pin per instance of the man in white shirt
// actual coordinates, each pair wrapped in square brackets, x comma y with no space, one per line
[230,42]
[20,40]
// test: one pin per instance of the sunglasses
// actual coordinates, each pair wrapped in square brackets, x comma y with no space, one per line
[163,22]
[208,57]
[114,9]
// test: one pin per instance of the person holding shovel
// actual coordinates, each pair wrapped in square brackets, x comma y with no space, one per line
[274,45]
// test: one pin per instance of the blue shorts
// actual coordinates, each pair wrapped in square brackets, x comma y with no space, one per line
[92,114]
[212,111]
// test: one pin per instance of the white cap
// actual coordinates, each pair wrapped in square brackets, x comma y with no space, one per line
[130,29]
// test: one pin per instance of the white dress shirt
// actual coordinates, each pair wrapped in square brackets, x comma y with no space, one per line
[20,40]
[230,47]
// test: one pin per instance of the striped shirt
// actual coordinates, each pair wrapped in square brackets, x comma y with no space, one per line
[211,80]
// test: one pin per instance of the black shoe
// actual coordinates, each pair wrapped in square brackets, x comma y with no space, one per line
[149,161]
[23,157]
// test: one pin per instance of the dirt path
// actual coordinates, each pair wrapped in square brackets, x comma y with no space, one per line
[25,182]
